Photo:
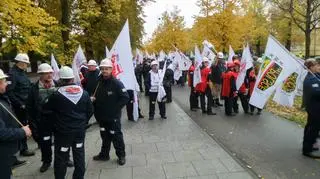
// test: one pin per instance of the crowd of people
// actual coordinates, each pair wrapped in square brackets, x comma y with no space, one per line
[58,112]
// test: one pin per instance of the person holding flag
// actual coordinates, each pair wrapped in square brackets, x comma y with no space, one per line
[193,98]
[229,89]
[217,69]
[110,97]
[252,81]
[152,82]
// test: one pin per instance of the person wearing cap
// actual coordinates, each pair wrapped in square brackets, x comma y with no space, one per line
[193,98]
[167,82]
[229,89]
[311,101]
[146,69]
[71,110]
[217,69]
[38,117]
[111,96]
[10,131]
[153,81]
[90,81]
[204,89]
[18,90]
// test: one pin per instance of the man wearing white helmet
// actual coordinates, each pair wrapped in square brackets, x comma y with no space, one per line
[217,69]
[110,97]
[10,131]
[71,110]
[152,82]
[18,90]
[90,80]
[38,117]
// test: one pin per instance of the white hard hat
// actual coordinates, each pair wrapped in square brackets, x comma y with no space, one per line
[66,73]
[44,68]
[2,75]
[260,60]
[22,57]
[106,63]
[205,59]
[92,63]
[220,55]
[154,63]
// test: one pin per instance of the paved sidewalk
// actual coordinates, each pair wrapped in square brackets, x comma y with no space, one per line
[158,149]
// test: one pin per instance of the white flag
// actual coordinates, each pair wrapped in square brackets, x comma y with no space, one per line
[197,71]
[107,51]
[162,56]
[136,103]
[122,56]
[78,60]
[281,65]
[185,62]
[139,56]
[161,91]
[286,92]
[245,64]
[231,54]
[55,68]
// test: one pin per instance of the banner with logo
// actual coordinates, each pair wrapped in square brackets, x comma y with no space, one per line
[245,64]
[197,64]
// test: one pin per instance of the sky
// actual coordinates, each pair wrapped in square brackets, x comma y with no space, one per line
[154,10]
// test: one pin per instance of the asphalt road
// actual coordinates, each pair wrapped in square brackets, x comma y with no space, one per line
[267,144]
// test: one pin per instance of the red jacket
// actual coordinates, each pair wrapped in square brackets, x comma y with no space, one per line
[228,87]
[201,87]
[252,81]
[190,75]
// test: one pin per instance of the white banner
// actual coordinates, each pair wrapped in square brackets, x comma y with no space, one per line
[139,56]
[55,68]
[245,64]
[231,54]
[161,91]
[78,60]
[107,51]
[281,65]
[197,71]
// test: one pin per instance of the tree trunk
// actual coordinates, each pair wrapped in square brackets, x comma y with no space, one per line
[258,47]
[66,24]
[289,34]
[308,30]
[308,43]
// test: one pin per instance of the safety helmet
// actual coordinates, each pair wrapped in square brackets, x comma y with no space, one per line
[230,64]
[2,75]
[92,63]
[106,63]
[220,55]
[22,57]
[44,68]
[154,63]
[66,73]
[205,59]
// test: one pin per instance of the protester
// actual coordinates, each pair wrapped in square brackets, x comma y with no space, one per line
[10,131]
[193,98]
[167,82]
[229,90]
[217,69]
[90,81]
[311,98]
[110,98]
[252,81]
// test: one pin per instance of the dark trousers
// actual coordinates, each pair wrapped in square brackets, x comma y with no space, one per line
[253,107]
[311,132]
[235,105]
[111,132]
[152,105]
[168,93]
[228,105]
[5,166]
[203,96]
[22,116]
[244,102]
[62,144]
[45,143]
[193,99]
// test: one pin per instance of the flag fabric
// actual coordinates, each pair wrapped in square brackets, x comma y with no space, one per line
[161,91]
[245,64]
[55,68]
[78,60]
[286,92]
[107,51]
[139,56]
[136,103]
[162,56]
[207,52]
[121,57]
[231,54]
[197,71]
[185,62]
[280,66]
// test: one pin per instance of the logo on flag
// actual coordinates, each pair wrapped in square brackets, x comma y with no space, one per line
[117,69]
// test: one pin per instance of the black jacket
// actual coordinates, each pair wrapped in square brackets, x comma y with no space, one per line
[68,116]
[168,78]
[216,72]
[10,131]
[19,86]
[91,81]
[311,94]
[35,111]
[111,97]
